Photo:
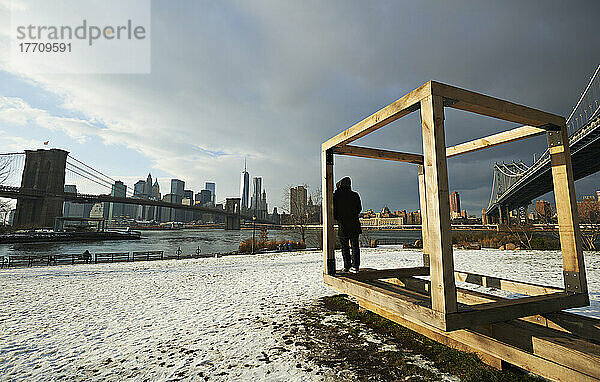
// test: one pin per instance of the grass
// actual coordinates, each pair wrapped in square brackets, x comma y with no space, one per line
[466,366]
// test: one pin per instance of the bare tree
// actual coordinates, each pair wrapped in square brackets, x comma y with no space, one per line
[296,211]
[299,213]
[522,233]
[5,204]
[589,216]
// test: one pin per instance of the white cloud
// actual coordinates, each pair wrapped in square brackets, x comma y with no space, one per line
[18,144]
[18,112]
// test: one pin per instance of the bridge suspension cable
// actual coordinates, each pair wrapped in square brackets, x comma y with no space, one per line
[80,169]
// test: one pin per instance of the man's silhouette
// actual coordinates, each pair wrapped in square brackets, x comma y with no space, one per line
[346,208]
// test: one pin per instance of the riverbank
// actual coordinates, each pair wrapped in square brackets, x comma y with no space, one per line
[58,237]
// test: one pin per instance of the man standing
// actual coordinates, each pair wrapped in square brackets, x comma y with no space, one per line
[346,208]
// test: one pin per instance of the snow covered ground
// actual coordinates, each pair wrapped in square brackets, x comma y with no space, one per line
[189,319]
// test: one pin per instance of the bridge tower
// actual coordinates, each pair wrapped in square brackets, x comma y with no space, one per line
[45,172]
[232,205]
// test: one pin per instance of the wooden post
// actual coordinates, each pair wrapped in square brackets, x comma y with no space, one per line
[443,288]
[328,231]
[566,209]
[423,206]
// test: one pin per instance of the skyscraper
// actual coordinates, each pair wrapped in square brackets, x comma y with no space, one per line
[212,188]
[156,190]
[298,201]
[263,205]
[139,188]
[148,187]
[71,209]
[115,210]
[256,193]
[189,194]
[177,187]
[206,197]
[245,189]
[454,205]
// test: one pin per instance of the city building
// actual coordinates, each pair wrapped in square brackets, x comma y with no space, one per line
[189,194]
[168,214]
[97,211]
[245,189]
[115,210]
[148,187]
[212,187]
[263,208]
[177,188]
[275,216]
[256,193]
[314,212]
[70,209]
[543,209]
[298,201]
[455,211]
[414,218]
[139,189]
[205,198]
[156,190]
[11,217]
[388,218]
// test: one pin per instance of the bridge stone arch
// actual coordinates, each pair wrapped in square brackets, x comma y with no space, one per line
[232,205]
[45,172]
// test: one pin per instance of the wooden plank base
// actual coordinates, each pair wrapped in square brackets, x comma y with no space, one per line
[492,351]
[418,307]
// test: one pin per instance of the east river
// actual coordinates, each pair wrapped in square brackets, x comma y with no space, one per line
[189,240]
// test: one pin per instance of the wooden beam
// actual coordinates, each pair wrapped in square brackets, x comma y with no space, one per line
[515,308]
[486,346]
[564,349]
[390,113]
[494,140]
[504,284]
[327,195]
[367,152]
[377,274]
[407,306]
[443,290]
[524,333]
[566,210]
[582,326]
[494,107]
[423,206]
[572,352]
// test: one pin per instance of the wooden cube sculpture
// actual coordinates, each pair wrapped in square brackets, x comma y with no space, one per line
[435,303]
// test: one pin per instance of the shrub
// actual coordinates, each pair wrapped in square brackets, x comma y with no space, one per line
[246,245]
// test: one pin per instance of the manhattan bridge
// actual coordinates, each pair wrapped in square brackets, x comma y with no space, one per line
[515,185]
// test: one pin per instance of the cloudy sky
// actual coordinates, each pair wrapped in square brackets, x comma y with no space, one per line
[271,80]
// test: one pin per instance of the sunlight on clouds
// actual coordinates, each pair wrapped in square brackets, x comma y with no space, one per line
[18,112]
[18,144]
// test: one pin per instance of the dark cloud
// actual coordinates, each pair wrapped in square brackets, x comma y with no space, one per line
[272,80]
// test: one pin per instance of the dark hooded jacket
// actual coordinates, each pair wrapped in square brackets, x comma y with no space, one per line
[346,208]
